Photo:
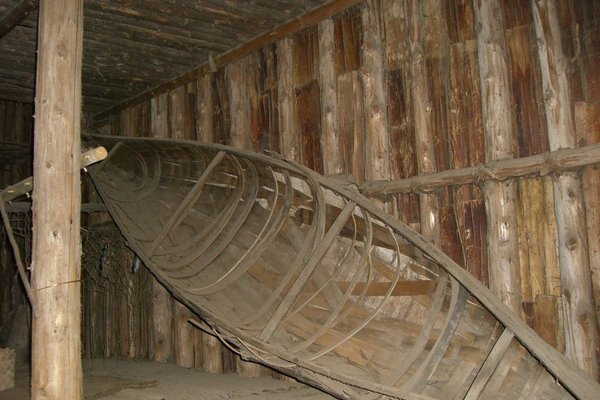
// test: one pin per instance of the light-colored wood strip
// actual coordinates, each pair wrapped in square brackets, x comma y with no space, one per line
[419,345]
[458,301]
[186,204]
[490,364]
[308,269]
[402,288]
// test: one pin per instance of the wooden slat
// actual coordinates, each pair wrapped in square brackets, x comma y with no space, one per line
[458,301]
[287,302]
[490,364]
[186,204]
[402,288]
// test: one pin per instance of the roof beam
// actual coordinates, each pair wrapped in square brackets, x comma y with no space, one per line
[17,14]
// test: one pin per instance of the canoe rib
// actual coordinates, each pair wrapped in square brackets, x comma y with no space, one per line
[309,277]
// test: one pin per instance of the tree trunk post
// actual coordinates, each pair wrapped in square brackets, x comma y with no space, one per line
[56,252]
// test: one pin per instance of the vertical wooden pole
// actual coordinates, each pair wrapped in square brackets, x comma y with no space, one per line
[289,142]
[211,359]
[183,336]
[160,349]
[239,75]
[159,116]
[56,250]
[204,104]
[501,211]
[581,325]
[422,108]
[375,105]
[330,140]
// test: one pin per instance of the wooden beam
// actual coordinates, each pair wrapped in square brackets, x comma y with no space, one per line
[15,15]
[402,288]
[539,165]
[295,25]
[581,324]
[56,249]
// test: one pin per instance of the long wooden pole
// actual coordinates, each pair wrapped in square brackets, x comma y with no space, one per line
[541,164]
[501,210]
[581,326]
[425,148]
[56,250]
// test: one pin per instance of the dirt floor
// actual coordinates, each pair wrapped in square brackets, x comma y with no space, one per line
[146,380]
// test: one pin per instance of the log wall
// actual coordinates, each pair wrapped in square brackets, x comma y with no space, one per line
[387,90]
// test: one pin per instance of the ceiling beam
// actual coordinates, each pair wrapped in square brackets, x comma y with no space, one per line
[295,25]
[17,14]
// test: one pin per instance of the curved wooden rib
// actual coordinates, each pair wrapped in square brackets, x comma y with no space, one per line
[309,277]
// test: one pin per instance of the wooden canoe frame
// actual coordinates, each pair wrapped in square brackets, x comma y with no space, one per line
[463,284]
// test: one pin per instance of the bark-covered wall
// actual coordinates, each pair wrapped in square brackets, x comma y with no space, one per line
[391,89]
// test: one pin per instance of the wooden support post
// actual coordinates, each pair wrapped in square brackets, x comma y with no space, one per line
[161,314]
[330,136]
[183,336]
[56,249]
[204,104]
[425,148]
[290,144]
[375,105]
[240,77]
[580,321]
[503,249]
[159,116]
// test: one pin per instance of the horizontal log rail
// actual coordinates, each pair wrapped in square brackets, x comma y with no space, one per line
[15,15]
[501,170]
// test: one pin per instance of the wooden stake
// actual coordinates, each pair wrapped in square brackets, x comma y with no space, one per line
[241,137]
[204,104]
[290,146]
[375,104]
[580,322]
[429,203]
[503,249]
[330,134]
[56,249]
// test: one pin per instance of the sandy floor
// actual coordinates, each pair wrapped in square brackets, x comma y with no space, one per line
[146,380]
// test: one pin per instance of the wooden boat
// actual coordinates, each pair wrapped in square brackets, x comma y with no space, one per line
[307,276]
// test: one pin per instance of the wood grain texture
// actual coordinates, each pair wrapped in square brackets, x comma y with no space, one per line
[56,338]
[502,230]
[581,324]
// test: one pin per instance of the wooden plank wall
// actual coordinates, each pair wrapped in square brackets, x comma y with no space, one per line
[16,127]
[390,89]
